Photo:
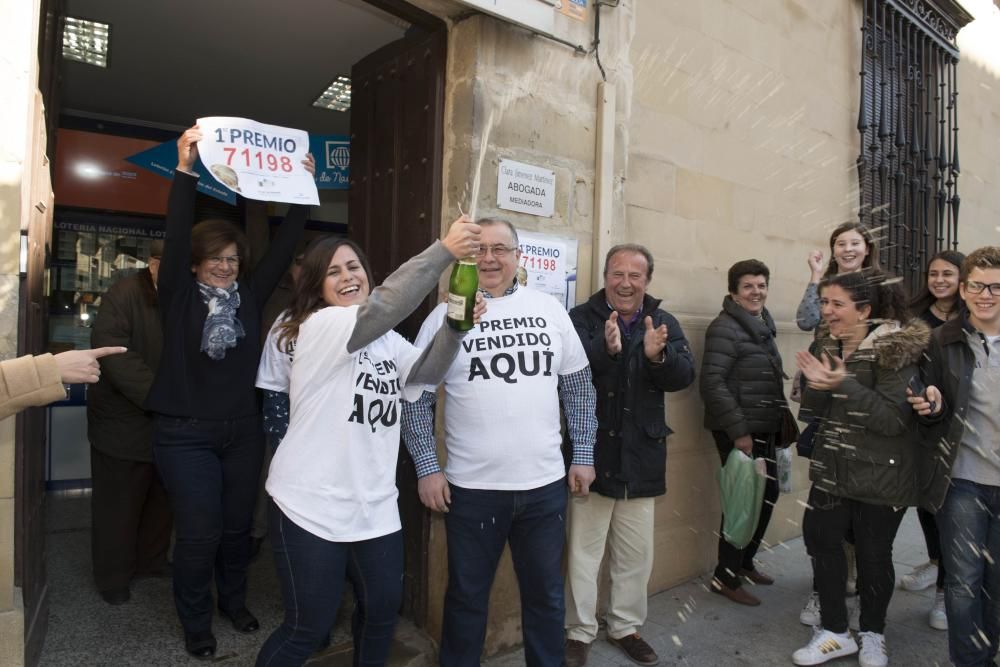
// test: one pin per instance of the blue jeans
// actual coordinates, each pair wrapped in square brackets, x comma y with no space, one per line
[969,524]
[312,572]
[210,470]
[479,523]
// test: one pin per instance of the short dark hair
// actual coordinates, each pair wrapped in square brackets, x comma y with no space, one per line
[987,257]
[209,237]
[747,267]
[631,247]
[485,222]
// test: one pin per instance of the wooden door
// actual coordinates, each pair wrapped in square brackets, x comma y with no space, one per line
[394,212]
[32,332]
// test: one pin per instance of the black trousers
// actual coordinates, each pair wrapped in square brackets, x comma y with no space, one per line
[929,525]
[731,559]
[210,469]
[824,527]
[130,520]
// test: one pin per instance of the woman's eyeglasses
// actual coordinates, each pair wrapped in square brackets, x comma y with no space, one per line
[232,260]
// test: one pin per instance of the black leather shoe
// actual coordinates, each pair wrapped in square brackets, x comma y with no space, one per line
[200,645]
[242,620]
[117,596]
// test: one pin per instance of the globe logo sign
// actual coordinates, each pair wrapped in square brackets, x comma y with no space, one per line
[338,155]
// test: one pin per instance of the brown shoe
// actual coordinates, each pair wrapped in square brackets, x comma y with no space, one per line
[576,653]
[757,577]
[636,648]
[737,595]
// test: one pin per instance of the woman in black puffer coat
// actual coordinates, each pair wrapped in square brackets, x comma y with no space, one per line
[742,386]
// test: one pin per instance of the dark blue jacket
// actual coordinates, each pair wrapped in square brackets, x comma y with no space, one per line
[630,457]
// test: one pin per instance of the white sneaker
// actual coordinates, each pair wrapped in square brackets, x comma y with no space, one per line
[872,650]
[810,613]
[920,577]
[854,616]
[938,618]
[825,645]
[852,570]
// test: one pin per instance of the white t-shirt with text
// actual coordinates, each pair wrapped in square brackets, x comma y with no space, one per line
[501,393]
[275,367]
[335,472]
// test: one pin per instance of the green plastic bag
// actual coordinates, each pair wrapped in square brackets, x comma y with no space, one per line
[742,489]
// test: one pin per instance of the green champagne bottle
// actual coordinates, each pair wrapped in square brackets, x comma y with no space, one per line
[462,293]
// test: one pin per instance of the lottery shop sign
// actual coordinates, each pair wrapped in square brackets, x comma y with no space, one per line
[256,160]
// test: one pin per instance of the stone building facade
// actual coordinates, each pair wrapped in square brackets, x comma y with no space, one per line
[725,129]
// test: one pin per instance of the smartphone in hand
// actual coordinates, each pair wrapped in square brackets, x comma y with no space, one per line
[917,386]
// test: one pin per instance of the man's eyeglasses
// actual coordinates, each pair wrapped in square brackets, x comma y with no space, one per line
[977,287]
[232,260]
[499,250]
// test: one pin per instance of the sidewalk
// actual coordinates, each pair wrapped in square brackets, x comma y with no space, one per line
[687,625]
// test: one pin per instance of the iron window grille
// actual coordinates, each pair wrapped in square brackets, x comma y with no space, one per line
[908,163]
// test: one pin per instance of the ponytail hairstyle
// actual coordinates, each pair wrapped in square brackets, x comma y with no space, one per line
[870,262]
[884,294]
[924,298]
[307,295]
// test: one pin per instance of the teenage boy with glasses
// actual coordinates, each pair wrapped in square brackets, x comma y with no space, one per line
[961,407]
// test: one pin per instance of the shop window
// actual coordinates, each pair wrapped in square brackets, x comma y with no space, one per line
[909,158]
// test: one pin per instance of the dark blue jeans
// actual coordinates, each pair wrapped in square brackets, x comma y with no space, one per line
[969,524]
[210,470]
[312,572]
[479,524]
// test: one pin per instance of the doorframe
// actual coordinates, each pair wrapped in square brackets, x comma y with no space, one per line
[416,589]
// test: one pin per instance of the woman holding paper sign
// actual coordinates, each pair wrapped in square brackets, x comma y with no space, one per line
[207,436]
[333,479]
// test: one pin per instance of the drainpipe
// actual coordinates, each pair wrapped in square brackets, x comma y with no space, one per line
[603,180]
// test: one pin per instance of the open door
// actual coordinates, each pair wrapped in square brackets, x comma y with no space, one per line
[29,445]
[394,212]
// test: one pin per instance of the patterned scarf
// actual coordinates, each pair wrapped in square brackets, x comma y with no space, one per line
[222,328]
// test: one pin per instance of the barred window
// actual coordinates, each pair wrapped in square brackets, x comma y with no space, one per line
[908,164]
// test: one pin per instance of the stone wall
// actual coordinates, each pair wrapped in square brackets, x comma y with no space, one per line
[979,126]
[743,145]
[734,138]
[18,80]
[518,96]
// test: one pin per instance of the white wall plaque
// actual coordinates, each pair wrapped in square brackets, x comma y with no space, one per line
[535,15]
[526,188]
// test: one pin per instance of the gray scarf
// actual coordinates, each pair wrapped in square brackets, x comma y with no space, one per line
[222,328]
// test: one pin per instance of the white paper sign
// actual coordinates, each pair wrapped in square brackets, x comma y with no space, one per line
[548,264]
[256,160]
[526,188]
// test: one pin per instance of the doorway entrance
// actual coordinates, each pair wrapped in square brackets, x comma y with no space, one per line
[166,66]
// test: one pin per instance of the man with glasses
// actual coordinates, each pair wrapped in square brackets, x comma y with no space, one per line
[505,480]
[961,409]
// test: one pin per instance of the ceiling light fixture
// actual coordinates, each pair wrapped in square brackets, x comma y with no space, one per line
[86,41]
[337,97]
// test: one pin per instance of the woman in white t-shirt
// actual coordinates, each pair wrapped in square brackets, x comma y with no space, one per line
[333,479]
